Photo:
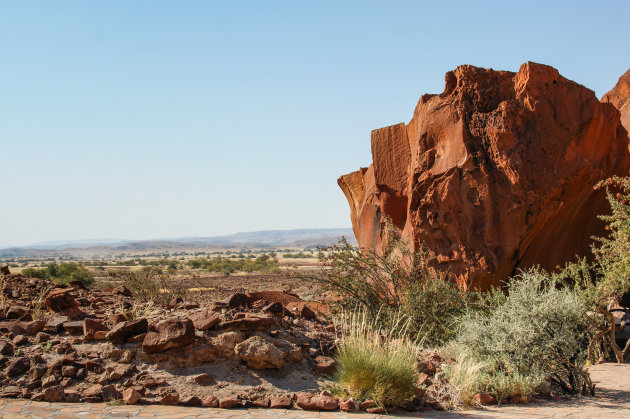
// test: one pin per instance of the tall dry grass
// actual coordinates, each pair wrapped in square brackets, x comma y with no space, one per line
[374,363]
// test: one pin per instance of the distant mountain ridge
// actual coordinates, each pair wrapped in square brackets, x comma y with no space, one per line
[266,238]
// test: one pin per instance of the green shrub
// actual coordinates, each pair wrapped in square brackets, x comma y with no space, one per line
[535,338]
[394,283]
[64,272]
[373,363]
[602,283]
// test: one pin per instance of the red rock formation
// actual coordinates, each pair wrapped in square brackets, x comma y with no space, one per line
[619,96]
[494,174]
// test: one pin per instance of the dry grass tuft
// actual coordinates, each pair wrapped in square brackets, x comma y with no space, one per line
[374,364]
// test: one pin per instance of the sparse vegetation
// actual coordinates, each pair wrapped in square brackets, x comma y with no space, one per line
[535,340]
[299,255]
[397,282]
[139,309]
[262,263]
[154,285]
[3,299]
[64,272]
[37,306]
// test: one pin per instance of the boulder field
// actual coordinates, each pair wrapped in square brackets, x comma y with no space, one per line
[496,173]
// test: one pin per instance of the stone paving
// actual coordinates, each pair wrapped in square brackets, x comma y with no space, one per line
[612,401]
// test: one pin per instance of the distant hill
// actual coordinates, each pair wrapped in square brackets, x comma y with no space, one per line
[246,240]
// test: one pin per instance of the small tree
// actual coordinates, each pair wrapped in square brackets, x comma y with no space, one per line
[602,283]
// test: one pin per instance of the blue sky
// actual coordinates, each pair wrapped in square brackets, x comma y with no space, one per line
[150,119]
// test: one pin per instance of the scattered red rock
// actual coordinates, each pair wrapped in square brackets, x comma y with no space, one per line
[122,290]
[259,353]
[325,365]
[210,401]
[123,331]
[366,404]
[375,410]
[191,401]
[170,399]
[229,403]
[170,333]
[204,319]
[61,300]
[484,398]
[251,322]
[348,406]
[238,300]
[53,394]
[18,366]
[281,402]
[91,326]
[309,401]
[73,327]
[202,379]
[272,297]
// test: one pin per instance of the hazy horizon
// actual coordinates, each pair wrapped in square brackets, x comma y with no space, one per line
[112,240]
[159,119]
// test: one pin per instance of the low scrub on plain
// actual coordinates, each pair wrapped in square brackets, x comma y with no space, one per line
[64,272]
[263,263]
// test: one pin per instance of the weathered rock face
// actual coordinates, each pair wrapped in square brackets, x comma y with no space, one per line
[494,174]
[619,97]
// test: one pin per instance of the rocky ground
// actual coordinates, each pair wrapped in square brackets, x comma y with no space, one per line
[260,349]
[67,343]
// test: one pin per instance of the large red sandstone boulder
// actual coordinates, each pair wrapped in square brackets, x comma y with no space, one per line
[494,174]
[619,97]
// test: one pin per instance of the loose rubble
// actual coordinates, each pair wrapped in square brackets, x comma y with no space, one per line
[81,345]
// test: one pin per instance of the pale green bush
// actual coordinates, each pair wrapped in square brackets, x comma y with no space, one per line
[536,336]
[469,375]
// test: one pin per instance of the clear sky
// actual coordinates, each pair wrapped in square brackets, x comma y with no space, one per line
[149,119]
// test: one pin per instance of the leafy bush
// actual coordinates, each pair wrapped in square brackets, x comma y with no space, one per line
[64,272]
[535,338]
[602,283]
[374,365]
[613,251]
[394,283]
